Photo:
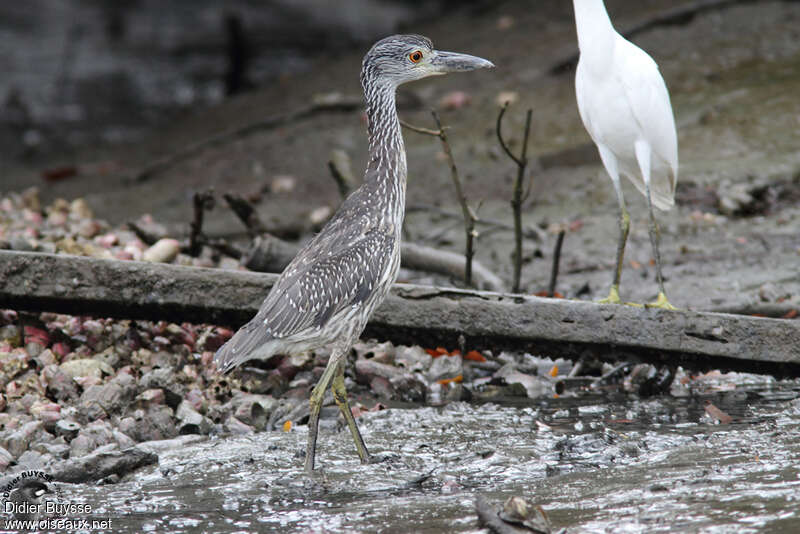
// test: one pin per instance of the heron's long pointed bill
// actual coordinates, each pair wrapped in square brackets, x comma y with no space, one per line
[444,62]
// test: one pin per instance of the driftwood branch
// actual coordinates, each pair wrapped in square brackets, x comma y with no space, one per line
[326,104]
[246,213]
[516,200]
[469,215]
[428,316]
[269,254]
[342,172]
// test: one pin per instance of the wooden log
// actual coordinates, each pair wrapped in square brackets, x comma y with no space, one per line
[428,316]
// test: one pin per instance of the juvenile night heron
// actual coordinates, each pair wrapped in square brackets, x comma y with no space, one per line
[326,294]
[625,107]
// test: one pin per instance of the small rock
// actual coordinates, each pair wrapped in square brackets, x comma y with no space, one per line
[86,367]
[534,386]
[235,426]
[60,385]
[150,397]
[165,445]
[31,460]
[56,450]
[92,436]
[320,215]
[123,440]
[80,446]
[192,422]
[283,184]
[163,251]
[445,367]
[5,459]
[19,441]
[164,378]
[80,209]
[196,400]
[412,358]
[101,401]
[68,429]
[101,464]
[735,198]
[253,411]
[45,358]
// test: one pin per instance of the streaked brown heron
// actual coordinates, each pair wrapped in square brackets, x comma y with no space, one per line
[326,294]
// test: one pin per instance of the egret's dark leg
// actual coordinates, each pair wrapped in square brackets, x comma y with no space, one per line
[643,156]
[340,396]
[317,396]
[610,163]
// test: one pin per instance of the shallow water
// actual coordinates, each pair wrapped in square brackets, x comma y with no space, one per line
[597,463]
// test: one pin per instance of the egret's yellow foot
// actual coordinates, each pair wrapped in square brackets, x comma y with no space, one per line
[661,302]
[613,297]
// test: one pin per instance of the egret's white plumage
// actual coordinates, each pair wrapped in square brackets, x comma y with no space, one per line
[625,106]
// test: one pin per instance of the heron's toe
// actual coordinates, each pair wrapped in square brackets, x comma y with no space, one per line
[661,303]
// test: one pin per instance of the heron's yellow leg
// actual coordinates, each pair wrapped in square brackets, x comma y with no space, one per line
[643,156]
[340,396]
[317,396]
[624,229]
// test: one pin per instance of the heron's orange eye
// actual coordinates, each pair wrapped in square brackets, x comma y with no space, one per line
[415,57]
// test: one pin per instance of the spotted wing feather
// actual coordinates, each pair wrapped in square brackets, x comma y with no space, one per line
[317,285]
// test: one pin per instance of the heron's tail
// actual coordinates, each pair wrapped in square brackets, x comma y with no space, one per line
[249,342]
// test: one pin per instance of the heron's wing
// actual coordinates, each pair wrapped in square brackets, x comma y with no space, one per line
[309,294]
[320,282]
[649,100]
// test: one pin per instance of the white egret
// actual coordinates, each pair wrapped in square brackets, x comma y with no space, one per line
[625,106]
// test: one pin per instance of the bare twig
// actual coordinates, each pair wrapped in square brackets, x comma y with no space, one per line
[420,130]
[551,290]
[223,247]
[202,200]
[330,103]
[530,232]
[516,201]
[148,238]
[246,213]
[469,215]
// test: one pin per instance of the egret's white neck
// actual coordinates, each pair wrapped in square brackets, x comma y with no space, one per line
[596,34]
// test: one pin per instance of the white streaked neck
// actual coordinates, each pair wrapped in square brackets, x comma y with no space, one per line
[596,34]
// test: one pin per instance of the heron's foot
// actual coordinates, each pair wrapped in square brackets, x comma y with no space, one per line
[661,302]
[612,298]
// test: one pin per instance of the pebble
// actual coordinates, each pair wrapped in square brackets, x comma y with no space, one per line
[412,358]
[6,458]
[445,367]
[86,367]
[101,464]
[68,429]
[59,384]
[235,426]
[163,251]
[192,422]
[18,442]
